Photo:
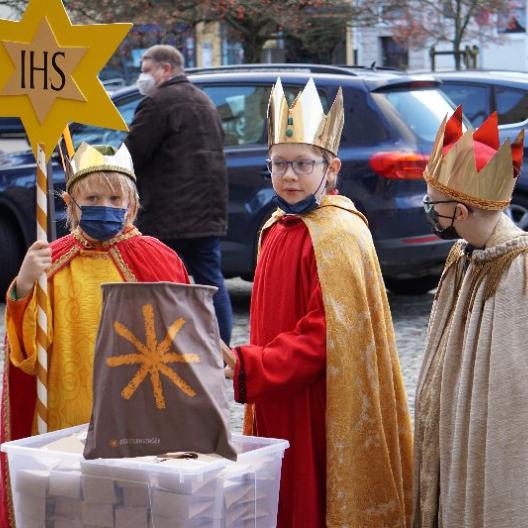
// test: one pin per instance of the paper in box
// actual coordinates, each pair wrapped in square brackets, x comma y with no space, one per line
[100,515]
[67,508]
[131,517]
[65,484]
[32,482]
[32,506]
[244,512]
[158,521]
[99,490]
[67,523]
[134,495]
[23,521]
[181,507]
[183,481]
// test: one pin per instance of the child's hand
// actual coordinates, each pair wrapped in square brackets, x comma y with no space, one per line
[228,372]
[229,356]
[36,262]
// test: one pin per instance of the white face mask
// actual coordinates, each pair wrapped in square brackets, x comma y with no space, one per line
[145,83]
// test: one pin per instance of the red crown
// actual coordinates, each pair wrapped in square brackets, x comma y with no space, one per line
[485,140]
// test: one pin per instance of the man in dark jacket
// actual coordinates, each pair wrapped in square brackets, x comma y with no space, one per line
[176,142]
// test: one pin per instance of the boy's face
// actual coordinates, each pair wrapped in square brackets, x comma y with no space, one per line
[295,186]
[106,197]
[96,193]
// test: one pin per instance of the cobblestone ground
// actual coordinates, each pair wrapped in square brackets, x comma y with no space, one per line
[410,315]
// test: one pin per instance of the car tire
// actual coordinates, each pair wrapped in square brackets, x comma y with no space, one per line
[417,286]
[11,255]
[518,211]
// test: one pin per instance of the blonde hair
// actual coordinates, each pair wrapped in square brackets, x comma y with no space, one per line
[113,181]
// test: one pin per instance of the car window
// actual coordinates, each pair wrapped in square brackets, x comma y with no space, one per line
[243,110]
[105,136]
[420,111]
[512,105]
[474,99]
[364,124]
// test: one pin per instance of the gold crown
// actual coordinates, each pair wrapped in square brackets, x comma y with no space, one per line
[99,158]
[455,173]
[305,121]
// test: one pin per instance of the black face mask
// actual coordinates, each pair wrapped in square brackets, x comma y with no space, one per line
[445,233]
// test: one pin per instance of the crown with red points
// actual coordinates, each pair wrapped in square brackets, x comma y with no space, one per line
[473,167]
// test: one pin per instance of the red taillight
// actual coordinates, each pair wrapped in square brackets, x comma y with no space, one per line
[399,165]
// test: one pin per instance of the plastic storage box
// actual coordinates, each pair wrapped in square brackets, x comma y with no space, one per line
[60,489]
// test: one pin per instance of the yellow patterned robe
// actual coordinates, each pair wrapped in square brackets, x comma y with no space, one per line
[73,311]
[75,294]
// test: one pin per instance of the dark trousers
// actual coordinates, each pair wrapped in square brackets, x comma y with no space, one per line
[203,260]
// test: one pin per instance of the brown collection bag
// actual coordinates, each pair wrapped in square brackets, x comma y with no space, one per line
[158,377]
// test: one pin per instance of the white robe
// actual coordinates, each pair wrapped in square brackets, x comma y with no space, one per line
[471,438]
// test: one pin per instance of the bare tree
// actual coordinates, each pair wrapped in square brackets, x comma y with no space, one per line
[317,24]
[421,22]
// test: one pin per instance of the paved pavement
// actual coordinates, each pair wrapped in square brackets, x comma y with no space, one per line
[410,315]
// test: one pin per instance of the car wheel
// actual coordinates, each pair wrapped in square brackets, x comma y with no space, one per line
[11,255]
[518,211]
[417,286]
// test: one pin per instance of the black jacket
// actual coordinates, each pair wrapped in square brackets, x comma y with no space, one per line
[176,143]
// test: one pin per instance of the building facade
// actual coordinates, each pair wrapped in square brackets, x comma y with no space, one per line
[504,45]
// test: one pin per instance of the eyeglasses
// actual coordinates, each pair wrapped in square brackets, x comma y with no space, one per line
[428,205]
[301,167]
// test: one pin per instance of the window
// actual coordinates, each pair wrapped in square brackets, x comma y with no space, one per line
[420,111]
[243,110]
[474,99]
[105,136]
[512,105]
[393,54]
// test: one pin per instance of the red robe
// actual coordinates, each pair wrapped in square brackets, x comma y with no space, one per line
[138,258]
[283,370]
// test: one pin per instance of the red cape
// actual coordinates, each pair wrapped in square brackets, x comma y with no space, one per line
[139,258]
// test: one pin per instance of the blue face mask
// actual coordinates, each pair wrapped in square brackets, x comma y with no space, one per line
[100,222]
[304,206]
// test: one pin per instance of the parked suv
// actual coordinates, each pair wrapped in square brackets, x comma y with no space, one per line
[481,93]
[390,124]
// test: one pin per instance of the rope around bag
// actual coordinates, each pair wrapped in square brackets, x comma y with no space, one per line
[42,296]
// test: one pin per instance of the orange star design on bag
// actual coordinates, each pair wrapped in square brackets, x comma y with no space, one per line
[153,357]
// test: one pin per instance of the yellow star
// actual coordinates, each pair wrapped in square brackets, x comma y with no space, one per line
[72,56]
[153,358]
[43,70]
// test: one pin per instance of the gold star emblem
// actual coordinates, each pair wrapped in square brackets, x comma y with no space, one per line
[43,71]
[48,72]
[153,358]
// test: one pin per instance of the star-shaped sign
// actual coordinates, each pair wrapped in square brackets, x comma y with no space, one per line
[43,71]
[48,72]
[153,358]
